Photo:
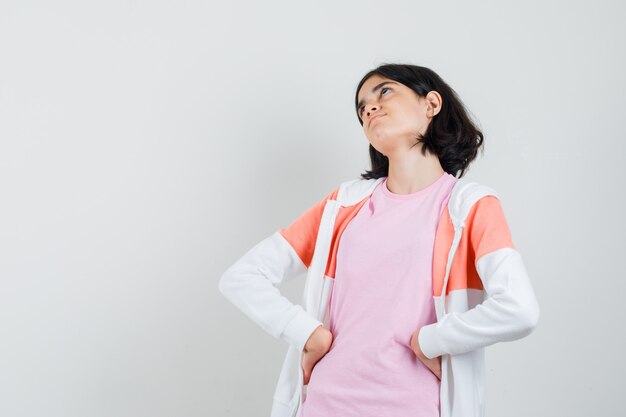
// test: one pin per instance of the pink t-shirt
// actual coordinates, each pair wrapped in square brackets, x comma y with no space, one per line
[382,294]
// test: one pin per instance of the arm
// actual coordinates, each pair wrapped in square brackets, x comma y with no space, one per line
[250,283]
[509,312]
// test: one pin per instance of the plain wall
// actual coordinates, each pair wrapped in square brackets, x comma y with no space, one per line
[146,145]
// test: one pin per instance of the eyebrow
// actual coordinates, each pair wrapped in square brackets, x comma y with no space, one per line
[376,87]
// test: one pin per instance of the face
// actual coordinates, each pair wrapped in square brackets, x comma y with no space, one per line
[393,115]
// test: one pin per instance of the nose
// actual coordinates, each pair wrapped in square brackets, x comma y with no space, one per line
[372,109]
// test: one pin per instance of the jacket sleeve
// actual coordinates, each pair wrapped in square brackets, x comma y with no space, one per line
[251,282]
[510,309]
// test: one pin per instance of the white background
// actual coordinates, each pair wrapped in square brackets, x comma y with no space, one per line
[146,145]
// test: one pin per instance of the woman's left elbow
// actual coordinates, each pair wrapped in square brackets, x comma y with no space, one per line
[529,318]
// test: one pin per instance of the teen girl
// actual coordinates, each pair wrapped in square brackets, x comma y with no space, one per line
[379,350]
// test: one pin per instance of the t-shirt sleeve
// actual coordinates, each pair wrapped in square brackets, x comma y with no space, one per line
[302,232]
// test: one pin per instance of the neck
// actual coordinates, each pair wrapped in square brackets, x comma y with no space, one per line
[411,171]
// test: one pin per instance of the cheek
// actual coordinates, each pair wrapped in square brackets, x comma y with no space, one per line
[411,119]
[404,121]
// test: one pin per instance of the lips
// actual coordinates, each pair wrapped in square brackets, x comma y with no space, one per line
[374,118]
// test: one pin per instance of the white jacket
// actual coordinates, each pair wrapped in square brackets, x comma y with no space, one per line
[497,305]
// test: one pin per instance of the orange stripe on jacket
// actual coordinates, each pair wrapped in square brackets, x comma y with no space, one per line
[302,232]
[343,218]
[486,230]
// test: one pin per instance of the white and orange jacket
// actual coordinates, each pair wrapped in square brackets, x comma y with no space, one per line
[488,294]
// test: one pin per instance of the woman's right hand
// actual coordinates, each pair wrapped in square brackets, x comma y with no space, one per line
[315,348]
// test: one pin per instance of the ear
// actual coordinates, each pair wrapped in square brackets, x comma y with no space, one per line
[433,100]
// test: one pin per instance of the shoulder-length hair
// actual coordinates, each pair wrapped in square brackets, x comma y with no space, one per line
[451,135]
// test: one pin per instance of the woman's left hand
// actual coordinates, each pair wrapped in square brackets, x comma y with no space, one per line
[433,364]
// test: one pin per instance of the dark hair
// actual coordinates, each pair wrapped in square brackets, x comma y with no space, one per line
[451,135]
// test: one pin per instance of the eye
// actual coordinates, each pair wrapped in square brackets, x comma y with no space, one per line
[381,93]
